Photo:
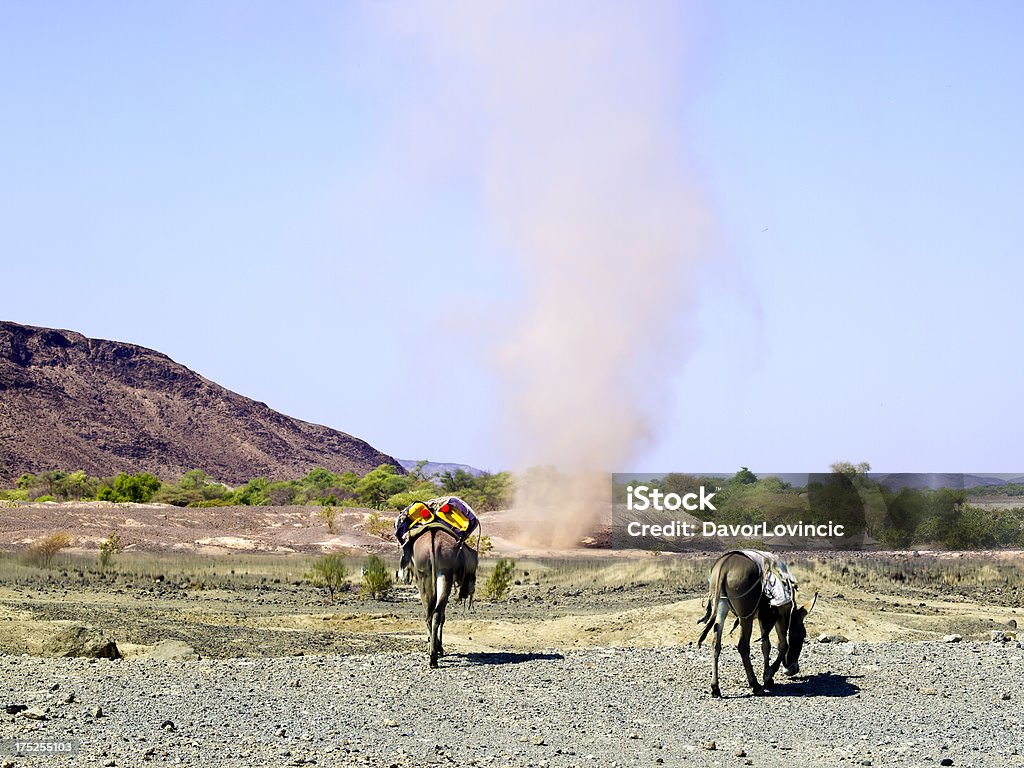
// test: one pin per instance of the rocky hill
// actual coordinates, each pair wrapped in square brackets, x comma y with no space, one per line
[70,402]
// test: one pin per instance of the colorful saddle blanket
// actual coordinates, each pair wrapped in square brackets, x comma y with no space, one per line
[447,517]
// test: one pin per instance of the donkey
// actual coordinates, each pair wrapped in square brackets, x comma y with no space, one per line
[737,587]
[441,562]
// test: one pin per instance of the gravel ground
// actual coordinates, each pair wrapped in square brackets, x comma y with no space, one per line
[881,704]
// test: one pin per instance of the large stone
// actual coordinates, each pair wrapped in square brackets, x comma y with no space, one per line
[832,638]
[79,641]
[172,650]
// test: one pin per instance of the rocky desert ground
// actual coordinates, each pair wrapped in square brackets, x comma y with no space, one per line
[232,657]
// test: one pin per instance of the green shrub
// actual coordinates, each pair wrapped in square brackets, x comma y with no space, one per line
[329,571]
[109,547]
[45,498]
[377,580]
[500,580]
[378,526]
[139,488]
[329,513]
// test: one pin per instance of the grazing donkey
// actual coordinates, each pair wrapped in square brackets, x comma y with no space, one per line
[751,584]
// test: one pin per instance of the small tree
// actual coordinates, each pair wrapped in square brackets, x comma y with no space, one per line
[109,547]
[500,580]
[744,477]
[329,512]
[377,580]
[41,553]
[329,571]
[485,545]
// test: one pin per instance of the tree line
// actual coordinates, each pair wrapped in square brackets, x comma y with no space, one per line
[381,488]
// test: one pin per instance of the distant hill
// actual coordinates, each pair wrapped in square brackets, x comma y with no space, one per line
[433,468]
[70,402]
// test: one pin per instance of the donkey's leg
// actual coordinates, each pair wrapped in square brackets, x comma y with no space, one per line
[429,598]
[743,646]
[444,588]
[721,614]
[781,632]
[766,650]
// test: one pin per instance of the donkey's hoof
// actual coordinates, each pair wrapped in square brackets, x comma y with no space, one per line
[716,692]
[759,691]
[433,663]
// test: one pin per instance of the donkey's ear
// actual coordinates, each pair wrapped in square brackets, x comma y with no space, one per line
[808,607]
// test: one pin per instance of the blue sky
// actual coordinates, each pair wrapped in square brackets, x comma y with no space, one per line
[238,186]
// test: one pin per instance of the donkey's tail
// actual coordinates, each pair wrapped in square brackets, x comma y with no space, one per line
[433,572]
[714,595]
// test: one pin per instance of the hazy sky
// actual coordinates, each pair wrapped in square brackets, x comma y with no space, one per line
[258,190]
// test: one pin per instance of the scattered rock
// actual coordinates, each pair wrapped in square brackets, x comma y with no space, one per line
[173,650]
[710,745]
[34,713]
[946,761]
[954,638]
[70,698]
[1005,696]
[832,638]
[741,753]
[928,691]
[1002,636]
[280,732]
[389,723]
[81,642]
[168,725]
[96,712]
[13,709]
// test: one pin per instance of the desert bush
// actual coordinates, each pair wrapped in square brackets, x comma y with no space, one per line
[485,545]
[212,503]
[500,580]
[47,497]
[109,547]
[41,553]
[377,580]
[378,526]
[329,571]
[328,513]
